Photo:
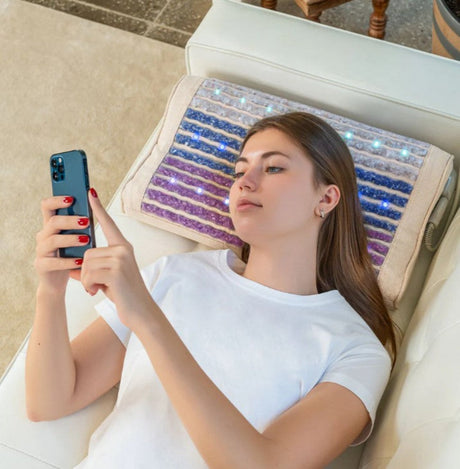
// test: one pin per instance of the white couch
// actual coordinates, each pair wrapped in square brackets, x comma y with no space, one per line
[386,85]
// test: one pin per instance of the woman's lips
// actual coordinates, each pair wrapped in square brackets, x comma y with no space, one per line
[246,204]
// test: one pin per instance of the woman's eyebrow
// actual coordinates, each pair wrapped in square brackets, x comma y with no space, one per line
[264,156]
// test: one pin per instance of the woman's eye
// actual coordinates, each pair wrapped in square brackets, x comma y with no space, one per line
[274,169]
[237,175]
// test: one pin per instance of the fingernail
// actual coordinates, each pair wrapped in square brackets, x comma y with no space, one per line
[93,193]
[83,239]
[79,261]
[83,221]
[68,200]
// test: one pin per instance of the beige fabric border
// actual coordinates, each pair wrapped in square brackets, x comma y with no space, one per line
[399,262]
[133,192]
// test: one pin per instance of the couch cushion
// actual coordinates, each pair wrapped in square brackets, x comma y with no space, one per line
[39,445]
[183,184]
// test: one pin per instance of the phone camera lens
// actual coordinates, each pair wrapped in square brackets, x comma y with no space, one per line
[54,163]
[55,176]
[61,168]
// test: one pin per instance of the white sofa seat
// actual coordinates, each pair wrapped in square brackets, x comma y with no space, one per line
[383,84]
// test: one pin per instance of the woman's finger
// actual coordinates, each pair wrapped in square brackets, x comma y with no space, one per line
[53,264]
[122,252]
[58,223]
[51,204]
[94,278]
[50,244]
[108,226]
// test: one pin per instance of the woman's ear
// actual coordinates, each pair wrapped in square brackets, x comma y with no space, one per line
[331,197]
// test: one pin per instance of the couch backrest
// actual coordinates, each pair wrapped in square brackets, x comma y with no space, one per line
[386,85]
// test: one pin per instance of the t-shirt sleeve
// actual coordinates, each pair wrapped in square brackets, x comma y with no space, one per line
[365,371]
[108,311]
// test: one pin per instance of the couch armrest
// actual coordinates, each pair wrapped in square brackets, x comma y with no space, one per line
[418,422]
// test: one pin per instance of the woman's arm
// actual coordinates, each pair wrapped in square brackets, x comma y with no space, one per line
[62,377]
[308,435]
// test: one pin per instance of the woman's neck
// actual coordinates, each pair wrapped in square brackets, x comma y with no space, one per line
[283,269]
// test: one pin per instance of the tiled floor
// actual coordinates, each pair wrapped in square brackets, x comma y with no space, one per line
[173,21]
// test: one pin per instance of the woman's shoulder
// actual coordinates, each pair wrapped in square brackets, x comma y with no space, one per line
[350,324]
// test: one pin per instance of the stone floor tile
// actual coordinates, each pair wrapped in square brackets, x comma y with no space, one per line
[143,9]
[88,12]
[184,15]
[169,35]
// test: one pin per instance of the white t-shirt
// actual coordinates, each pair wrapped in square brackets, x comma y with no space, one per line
[263,348]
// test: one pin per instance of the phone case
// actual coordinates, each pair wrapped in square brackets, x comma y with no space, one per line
[69,176]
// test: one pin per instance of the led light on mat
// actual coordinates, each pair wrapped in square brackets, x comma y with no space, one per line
[195,175]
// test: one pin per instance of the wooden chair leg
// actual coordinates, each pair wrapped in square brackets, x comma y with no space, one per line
[270,4]
[315,17]
[307,11]
[378,19]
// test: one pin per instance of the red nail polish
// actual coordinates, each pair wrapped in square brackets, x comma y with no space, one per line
[79,261]
[83,221]
[93,193]
[83,239]
[68,200]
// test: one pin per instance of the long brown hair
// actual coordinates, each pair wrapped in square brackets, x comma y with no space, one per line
[343,262]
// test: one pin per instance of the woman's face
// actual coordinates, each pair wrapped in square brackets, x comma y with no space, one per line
[274,195]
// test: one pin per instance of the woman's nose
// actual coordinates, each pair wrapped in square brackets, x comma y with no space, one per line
[248,180]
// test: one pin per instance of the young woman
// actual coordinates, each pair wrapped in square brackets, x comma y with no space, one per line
[275,362]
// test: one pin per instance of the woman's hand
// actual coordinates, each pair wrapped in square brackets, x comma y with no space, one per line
[54,271]
[113,269]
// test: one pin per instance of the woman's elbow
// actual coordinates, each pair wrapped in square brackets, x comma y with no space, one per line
[38,413]
[34,416]
[38,416]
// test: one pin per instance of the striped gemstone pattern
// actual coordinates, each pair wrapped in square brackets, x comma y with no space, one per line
[190,186]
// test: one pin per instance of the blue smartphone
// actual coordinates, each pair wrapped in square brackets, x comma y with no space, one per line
[69,176]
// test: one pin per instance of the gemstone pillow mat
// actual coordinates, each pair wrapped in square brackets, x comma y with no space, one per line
[182,185]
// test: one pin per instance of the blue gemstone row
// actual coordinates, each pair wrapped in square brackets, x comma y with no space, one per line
[197,171]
